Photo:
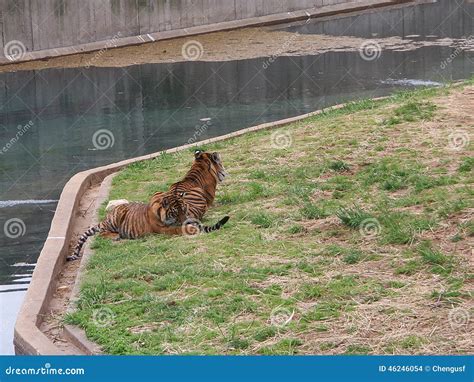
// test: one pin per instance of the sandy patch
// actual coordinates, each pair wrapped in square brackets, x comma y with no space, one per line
[235,45]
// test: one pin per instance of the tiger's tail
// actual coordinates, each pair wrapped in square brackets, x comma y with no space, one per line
[216,226]
[82,240]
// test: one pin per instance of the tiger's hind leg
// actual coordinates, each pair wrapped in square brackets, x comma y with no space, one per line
[110,235]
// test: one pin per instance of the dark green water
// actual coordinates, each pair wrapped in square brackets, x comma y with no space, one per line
[152,107]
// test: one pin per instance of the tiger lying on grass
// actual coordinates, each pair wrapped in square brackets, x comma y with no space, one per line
[165,213]
[200,183]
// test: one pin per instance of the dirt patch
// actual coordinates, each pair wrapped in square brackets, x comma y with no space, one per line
[144,328]
[234,45]
[53,321]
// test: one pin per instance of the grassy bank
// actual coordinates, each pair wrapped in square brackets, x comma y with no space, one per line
[350,232]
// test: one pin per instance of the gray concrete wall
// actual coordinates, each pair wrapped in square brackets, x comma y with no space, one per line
[47,24]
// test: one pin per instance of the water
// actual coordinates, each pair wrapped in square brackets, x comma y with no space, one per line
[152,107]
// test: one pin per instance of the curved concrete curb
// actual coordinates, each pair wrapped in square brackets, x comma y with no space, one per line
[28,339]
[74,334]
[321,11]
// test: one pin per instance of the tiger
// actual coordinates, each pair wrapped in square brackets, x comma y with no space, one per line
[165,213]
[113,203]
[200,182]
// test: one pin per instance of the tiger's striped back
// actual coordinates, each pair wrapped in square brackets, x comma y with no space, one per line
[200,183]
[195,202]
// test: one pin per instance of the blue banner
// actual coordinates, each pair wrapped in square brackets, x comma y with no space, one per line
[236,368]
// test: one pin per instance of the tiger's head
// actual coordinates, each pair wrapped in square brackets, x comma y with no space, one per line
[213,162]
[169,208]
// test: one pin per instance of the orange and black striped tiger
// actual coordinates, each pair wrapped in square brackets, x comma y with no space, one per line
[165,213]
[200,183]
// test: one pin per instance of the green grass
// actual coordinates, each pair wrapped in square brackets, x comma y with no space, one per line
[441,263]
[339,165]
[411,111]
[357,349]
[353,257]
[403,227]
[262,219]
[297,244]
[409,268]
[312,211]
[407,345]
[466,165]
[353,217]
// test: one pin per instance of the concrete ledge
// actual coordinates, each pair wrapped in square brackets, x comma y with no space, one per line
[73,334]
[28,339]
[79,339]
[329,10]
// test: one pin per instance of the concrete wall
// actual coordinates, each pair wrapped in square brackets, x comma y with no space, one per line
[46,24]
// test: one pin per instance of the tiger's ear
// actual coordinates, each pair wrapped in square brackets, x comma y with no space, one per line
[165,202]
[197,154]
[216,157]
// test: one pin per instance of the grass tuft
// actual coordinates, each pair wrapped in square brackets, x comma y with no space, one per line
[339,166]
[353,217]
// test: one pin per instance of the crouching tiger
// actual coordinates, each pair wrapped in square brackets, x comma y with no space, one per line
[199,184]
[165,214]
